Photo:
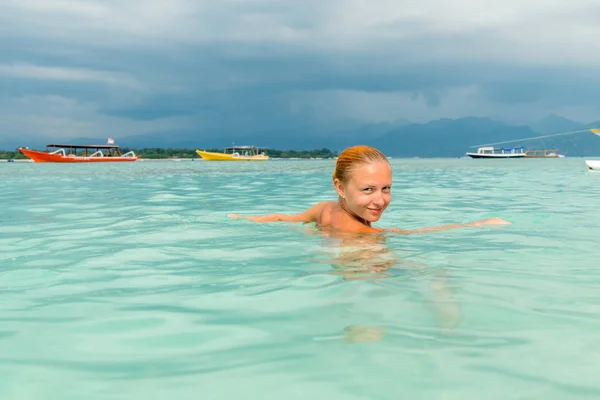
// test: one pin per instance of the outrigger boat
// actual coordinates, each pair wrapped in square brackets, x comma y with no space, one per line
[488,151]
[79,153]
[516,152]
[491,152]
[235,153]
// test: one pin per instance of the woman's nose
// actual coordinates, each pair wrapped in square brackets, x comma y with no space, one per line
[378,200]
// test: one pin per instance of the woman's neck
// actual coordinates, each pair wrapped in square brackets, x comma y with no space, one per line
[363,221]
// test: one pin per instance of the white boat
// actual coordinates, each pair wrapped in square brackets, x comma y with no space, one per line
[593,164]
[491,152]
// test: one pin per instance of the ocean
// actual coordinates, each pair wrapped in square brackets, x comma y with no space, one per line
[128,281]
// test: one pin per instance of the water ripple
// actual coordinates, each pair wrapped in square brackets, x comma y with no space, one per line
[129,281]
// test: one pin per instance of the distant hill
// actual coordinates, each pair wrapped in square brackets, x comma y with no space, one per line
[454,137]
[437,138]
[447,137]
[554,123]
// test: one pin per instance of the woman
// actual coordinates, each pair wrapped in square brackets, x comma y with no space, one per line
[363,181]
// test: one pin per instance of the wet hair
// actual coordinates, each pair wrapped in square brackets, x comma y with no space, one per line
[354,156]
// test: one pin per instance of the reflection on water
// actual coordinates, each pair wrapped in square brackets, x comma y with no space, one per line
[368,257]
[360,256]
[362,334]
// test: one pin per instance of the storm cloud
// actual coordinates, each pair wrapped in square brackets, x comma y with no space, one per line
[131,67]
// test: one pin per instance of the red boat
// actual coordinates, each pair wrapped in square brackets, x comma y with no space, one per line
[80,153]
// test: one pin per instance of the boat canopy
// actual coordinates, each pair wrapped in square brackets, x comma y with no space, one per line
[85,146]
[245,148]
[511,148]
[108,149]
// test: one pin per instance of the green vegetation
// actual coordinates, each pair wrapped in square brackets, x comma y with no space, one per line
[160,153]
[317,153]
[7,155]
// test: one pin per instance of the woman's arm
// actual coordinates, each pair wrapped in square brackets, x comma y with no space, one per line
[489,221]
[307,216]
[270,217]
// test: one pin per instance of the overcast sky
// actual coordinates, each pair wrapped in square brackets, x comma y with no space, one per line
[83,68]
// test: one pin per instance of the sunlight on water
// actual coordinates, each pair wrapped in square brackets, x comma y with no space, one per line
[129,282]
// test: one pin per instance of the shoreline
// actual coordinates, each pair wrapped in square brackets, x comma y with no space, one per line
[26,160]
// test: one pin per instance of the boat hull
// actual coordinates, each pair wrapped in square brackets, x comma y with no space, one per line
[210,156]
[593,164]
[478,155]
[42,156]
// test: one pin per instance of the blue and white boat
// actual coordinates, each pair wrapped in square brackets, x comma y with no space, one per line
[491,152]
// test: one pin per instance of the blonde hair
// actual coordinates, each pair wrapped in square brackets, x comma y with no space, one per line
[353,156]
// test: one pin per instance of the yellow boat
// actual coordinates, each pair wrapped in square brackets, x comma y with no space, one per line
[236,153]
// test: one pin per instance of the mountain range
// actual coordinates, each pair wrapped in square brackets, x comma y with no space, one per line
[454,137]
[437,138]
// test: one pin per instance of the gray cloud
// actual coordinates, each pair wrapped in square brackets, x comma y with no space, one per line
[149,66]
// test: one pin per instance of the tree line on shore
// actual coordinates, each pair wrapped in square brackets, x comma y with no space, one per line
[165,153]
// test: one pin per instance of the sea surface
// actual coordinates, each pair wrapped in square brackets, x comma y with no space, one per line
[128,281]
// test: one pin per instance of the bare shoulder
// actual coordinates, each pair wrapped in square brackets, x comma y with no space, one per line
[325,205]
[312,214]
[317,210]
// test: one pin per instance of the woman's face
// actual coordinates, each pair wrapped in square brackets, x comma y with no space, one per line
[368,191]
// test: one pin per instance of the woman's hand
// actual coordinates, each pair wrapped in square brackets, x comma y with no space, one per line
[250,217]
[490,221]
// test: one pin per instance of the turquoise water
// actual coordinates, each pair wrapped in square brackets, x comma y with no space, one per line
[128,281]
